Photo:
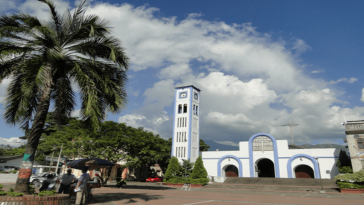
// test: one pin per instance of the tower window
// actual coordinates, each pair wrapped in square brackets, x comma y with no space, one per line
[196,110]
[185,137]
[185,108]
[180,108]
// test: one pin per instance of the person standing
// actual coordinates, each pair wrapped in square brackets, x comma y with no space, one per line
[66,181]
[82,186]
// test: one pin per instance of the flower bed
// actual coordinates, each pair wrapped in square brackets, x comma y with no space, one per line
[352,191]
[60,199]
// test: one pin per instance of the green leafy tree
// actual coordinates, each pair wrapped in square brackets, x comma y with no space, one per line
[186,168]
[344,163]
[43,59]
[173,170]
[203,146]
[199,170]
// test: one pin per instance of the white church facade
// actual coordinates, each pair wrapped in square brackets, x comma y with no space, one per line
[261,156]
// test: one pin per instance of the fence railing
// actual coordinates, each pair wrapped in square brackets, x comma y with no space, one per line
[354,127]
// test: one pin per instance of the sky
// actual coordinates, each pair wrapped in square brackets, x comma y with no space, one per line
[258,63]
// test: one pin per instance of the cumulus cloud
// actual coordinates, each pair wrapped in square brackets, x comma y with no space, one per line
[250,83]
[350,80]
[362,95]
[3,86]
[13,141]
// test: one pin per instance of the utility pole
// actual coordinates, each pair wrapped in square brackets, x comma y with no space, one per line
[290,128]
[59,157]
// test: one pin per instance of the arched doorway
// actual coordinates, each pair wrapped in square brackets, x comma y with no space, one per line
[304,171]
[231,171]
[265,168]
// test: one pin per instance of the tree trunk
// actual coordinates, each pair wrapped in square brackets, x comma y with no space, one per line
[34,134]
[108,176]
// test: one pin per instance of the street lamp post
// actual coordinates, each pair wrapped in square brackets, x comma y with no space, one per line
[50,163]
[322,188]
[59,159]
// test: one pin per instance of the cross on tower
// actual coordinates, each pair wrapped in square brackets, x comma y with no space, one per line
[290,127]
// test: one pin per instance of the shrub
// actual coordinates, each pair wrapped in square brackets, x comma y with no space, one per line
[11,189]
[13,171]
[345,169]
[31,189]
[173,169]
[355,177]
[199,170]
[2,193]
[47,193]
[1,187]
[14,194]
[348,185]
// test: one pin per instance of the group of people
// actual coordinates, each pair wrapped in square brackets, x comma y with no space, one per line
[65,182]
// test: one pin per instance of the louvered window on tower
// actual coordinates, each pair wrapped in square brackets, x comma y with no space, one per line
[179,108]
[262,143]
[185,108]
[360,142]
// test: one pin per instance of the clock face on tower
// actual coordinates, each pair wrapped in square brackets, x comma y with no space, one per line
[183,95]
[196,96]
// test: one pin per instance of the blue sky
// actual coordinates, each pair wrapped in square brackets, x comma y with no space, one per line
[258,64]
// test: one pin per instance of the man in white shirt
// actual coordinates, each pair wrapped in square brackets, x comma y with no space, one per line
[82,185]
[66,181]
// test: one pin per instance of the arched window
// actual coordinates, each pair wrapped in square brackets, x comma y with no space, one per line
[262,143]
[179,108]
[194,109]
[185,108]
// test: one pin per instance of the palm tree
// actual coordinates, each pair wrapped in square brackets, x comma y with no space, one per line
[45,59]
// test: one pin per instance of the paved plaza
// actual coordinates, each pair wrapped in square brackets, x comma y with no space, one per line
[150,194]
[211,196]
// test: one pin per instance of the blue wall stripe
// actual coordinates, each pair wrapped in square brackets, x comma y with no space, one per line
[289,165]
[229,156]
[276,161]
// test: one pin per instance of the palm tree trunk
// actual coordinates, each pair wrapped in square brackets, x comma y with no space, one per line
[33,139]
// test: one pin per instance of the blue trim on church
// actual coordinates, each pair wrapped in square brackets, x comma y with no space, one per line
[174,122]
[190,124]
[313,160]
[275,151]
[219,169]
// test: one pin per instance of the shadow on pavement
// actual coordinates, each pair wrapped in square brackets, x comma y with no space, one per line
[131,198]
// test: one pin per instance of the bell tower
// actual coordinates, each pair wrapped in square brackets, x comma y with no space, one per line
[186,124]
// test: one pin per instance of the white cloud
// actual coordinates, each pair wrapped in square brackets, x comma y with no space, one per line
[76,113]
[13,141]
[350,80]
[362,95]
[250,83]
[3,86]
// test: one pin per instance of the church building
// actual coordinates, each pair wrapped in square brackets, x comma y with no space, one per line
[261,156]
